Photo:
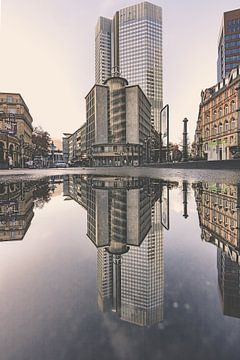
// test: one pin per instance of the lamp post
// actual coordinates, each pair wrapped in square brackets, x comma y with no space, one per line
[22,150]
[52,152]
[185,145]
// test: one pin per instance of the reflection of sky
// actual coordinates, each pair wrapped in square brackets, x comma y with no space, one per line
[49,302]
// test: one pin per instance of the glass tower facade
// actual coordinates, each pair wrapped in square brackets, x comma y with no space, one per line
[134,50]
[140,48]
[229,44]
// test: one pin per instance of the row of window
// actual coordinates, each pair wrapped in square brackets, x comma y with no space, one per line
[233,58]
[232,36]
[233,51]
[231,66]
[232,44]
[222,111]
[233,25]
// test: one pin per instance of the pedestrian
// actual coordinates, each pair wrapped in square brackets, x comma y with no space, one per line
[10,162]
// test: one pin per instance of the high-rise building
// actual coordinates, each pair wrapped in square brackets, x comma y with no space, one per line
[102,50]
[131,45]
[229,43]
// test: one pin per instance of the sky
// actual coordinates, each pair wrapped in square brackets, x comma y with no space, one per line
[47,55]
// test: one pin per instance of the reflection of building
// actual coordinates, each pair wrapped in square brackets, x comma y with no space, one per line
[17,202]
[131,45]
[219,216]
[16,210]
[124,222]
[229,43]
[15,130]
[218,208]
[217,131]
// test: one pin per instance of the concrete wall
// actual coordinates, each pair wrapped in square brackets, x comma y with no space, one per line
[102,224]
[132,115]
[101,115]
[133,217]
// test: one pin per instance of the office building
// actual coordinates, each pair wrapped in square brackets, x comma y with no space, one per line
[228,44]
[118,124]
[130,45]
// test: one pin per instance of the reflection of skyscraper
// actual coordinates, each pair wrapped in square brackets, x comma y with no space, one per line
[124,222]
[219,215]
[142,279]
[229,284]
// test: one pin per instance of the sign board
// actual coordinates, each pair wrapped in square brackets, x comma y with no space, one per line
[165,207]
[164,125]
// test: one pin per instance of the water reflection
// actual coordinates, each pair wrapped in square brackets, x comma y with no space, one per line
[126,220]
[17,202]
[218,208]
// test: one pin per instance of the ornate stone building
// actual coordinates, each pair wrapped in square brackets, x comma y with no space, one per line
[15,130]
[217,132]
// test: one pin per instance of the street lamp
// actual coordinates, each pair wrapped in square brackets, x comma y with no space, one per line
[52,151]
[22,150]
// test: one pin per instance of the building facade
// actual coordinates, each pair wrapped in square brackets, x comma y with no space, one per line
[228,44]
[218,124]
[15,130]
[118,124]
[133,50]
[74,146]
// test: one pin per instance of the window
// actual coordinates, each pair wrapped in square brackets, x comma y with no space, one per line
[232,106]
[233,124]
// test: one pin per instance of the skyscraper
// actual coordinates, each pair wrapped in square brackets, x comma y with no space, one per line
[103,50]
[133,50]
[228,44]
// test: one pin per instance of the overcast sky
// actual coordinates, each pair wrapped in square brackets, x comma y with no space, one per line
[47,54]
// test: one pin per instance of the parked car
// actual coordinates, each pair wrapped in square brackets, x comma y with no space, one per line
[29,164]
[236,155]
[60,165]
